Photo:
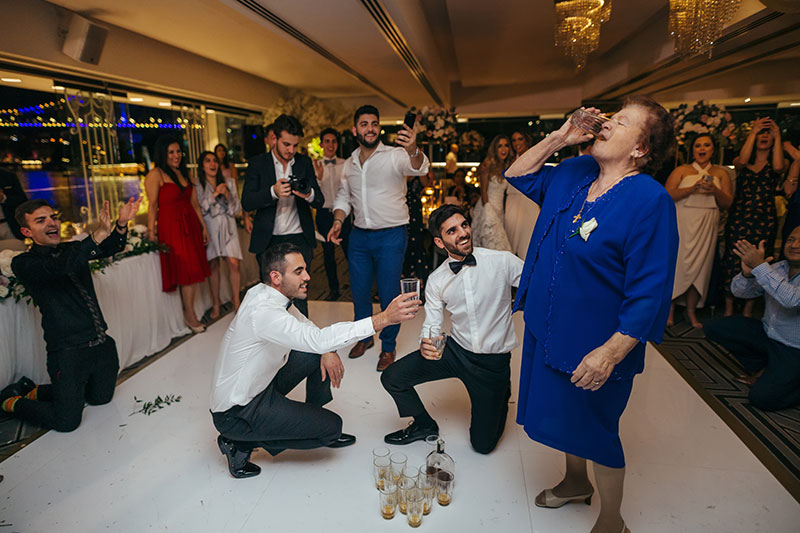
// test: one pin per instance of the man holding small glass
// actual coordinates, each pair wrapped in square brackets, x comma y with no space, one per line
[474,285]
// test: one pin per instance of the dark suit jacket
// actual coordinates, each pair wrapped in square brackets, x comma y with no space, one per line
[256,196]
[14,196]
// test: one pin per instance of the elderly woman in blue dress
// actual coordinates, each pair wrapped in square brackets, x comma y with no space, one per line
[219,202]
[596,286]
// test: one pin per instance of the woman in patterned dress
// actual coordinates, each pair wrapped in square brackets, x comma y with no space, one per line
[752,216]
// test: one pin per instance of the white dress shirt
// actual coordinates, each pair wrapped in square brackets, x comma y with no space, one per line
[287,222]
[479,301]
[331,178]
[377,190]
[258,342]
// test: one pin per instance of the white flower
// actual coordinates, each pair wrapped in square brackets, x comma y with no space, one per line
[5,261]
[139,229]
[587,227]
[18,289]
[128,248]
[134,241]
[3,291]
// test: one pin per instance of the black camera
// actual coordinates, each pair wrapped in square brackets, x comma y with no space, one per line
[300,184]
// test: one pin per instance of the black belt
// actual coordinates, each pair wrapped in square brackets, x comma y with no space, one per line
[382,229]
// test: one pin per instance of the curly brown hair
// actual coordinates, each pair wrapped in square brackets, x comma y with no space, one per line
[493,166]
[658,136]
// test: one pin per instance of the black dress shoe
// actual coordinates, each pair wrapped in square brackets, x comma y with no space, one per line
[238,461]
[25,385]
[411,434]
[343,440]
[18,388]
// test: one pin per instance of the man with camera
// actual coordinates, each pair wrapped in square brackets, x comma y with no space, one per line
[280,186]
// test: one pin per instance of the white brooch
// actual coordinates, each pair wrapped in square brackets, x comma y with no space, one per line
[586,229]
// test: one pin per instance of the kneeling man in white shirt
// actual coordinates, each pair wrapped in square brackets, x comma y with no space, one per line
[267,351]
[474,285]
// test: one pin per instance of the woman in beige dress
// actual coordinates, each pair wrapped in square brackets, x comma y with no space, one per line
[700,190]
[521,211]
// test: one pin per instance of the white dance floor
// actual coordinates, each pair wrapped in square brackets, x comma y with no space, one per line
[131,473]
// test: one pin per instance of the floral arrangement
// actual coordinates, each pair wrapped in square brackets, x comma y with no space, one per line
[314,114]
[137,244]
[472,141]
[436,125]
[703,118]
[9,286]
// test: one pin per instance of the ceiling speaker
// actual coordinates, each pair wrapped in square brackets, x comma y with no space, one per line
[83,40]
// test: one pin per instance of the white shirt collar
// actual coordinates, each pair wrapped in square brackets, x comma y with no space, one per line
[274,295]
[275,160]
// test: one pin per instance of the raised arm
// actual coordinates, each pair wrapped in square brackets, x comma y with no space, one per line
[534,159]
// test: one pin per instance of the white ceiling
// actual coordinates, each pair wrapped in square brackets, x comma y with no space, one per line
[485,58]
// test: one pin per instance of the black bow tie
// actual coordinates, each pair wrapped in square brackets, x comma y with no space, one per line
[288,304]
[330,161]
[456,266]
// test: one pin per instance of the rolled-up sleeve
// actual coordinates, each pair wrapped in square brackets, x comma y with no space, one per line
[650,254]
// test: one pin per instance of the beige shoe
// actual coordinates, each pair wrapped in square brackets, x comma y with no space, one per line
[551,501]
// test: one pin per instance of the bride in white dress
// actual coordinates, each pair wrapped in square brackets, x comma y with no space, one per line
[521,211]
[488,230]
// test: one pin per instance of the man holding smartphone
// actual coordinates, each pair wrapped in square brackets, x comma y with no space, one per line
[373,186]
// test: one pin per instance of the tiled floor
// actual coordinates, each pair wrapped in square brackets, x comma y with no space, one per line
[120,472]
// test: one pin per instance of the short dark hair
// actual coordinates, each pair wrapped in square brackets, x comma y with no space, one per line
[275,258]
[329,131]
[289,124]
[269,128]
[658,134]
[365,110]
[26,208]
[440,216]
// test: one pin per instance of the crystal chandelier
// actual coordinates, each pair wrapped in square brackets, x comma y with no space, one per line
[697,24]
[578,27]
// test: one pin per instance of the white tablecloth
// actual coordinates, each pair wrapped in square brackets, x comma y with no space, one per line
[141,318]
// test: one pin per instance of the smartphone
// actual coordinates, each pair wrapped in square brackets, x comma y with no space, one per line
[410,119]
[708,179]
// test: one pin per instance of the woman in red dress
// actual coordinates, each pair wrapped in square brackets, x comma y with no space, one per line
[175,220]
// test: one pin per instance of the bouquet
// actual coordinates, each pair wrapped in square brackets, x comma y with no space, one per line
[9,285]
[703,118]
[436,125]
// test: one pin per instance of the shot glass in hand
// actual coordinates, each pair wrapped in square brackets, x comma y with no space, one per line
[410,285]
[438,338]
[589,122]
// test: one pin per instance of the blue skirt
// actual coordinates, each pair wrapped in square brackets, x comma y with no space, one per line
[558,414]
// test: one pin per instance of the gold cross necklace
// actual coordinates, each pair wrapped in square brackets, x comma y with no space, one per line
[577,217]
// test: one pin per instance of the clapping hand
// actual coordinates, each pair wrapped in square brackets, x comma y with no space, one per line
[104,224]
[319,169]
[221,190]
[751,256]
[128,211]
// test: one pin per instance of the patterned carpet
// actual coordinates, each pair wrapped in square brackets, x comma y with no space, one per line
[773,437]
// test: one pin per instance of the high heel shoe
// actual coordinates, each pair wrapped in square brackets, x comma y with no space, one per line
[551,501]
[197,329]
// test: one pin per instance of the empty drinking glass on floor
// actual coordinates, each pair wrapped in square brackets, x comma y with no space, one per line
[388,499]
[414,506]
[398,464]
[444,487]
[427,484]
[381,471]
[403,486]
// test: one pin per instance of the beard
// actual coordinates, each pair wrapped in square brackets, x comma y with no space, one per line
[363,142]
[454,249]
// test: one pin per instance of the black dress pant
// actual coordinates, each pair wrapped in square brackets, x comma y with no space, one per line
[308,254]
[779,386]
[487,378]
[78,376]
[276,423]
[324,222]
